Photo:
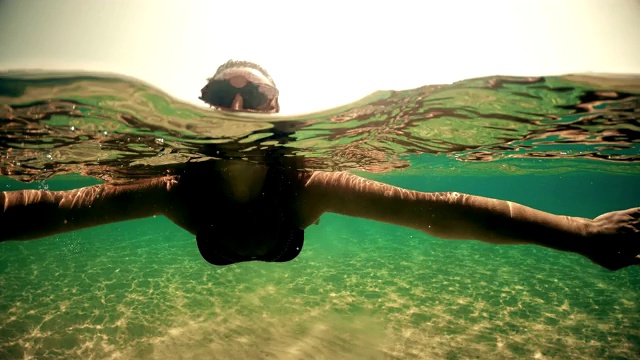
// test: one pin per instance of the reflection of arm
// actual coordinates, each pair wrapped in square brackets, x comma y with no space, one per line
[30,214]
[446,215]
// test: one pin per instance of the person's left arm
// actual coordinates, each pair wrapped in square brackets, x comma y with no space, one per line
[611,240]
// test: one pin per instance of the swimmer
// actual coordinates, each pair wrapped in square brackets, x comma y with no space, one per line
[243,211]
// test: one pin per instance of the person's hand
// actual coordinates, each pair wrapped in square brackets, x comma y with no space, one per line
[614,241]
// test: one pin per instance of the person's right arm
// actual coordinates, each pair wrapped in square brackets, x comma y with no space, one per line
[30,214]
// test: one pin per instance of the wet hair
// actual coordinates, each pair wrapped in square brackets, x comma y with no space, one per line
[232,64]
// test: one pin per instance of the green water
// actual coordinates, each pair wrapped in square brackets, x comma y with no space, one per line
[359,290]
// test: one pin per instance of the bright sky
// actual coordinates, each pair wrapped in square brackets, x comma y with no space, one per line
[325,53]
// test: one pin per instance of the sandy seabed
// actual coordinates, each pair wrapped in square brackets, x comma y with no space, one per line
[364,292]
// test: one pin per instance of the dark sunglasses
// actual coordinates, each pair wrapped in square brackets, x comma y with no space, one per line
[221,93]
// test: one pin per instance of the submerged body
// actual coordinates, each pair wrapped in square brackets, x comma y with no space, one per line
[292,199]
[242,211]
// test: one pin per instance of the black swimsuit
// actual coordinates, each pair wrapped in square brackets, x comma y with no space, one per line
[265,211]
[287,247]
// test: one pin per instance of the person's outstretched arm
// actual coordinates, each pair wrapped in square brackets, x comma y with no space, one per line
[612,240]
[30,214]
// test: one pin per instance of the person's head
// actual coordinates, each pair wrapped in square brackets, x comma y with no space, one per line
[241,86]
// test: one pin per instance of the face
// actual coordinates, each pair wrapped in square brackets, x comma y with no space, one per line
[241,89]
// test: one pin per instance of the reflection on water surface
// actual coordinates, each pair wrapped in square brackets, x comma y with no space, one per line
[97,125]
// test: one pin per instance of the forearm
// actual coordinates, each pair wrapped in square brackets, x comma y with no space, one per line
[450,215]
[30,214]
[463,216]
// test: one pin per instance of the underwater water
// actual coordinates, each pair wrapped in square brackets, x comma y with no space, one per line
[359,289]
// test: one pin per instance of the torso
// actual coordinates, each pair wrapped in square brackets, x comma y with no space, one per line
[244,200]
